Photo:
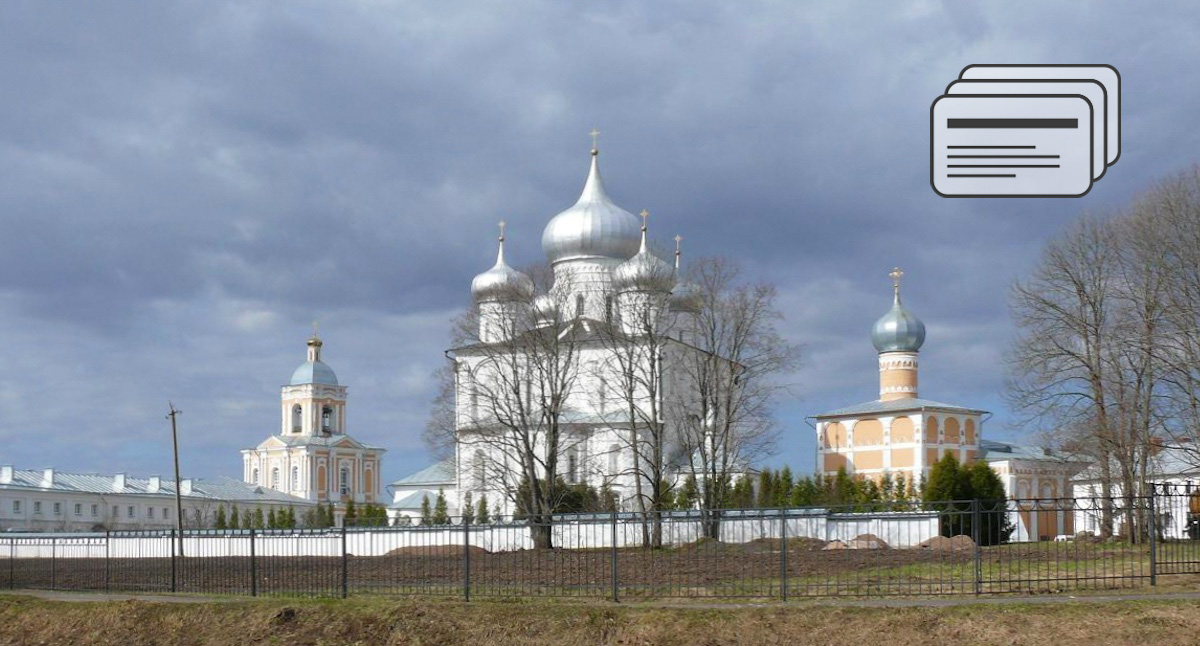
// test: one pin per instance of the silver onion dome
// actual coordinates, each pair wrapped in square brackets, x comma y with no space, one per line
[594,227]
[686,296]
[545,309]
[645,272]
[501,283]
[898,330]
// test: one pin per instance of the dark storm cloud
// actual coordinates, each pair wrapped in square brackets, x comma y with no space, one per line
[185,186]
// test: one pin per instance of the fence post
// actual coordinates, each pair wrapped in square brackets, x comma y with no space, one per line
[345,564]
[174,575]
[107,559]
[1153,538]
[53,563]
[976,518]
[616,580]
[466,560]
[12,559]
[253,567]
[783,550]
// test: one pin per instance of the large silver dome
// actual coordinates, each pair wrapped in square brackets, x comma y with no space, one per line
[593,228]
[501,283]
[898,330]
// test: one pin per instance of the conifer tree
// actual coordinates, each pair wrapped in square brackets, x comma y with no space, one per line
[221,522]
[482,515]
[350,519]
[272,521]
[987,490]
[234,518]
[783,488]
[766,489]
[441,515]
[426,511]
[468,509]
[804,493]
[844,488]
[690,493]
[330,516]
[258,518]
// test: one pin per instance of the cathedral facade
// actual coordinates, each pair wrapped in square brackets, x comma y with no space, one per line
[596,343]
[312,456]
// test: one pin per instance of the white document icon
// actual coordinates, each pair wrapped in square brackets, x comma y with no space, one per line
[1093,91]
[1011,145]
[1105,75]
[1025,131]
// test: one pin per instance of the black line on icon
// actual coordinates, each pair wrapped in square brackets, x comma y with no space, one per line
[1002,166]
[1002,156]
[991,146]
[1012,123]
[953,175]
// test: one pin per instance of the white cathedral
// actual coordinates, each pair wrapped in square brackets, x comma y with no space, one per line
[612,298]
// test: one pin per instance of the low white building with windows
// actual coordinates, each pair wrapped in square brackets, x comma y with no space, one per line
[45,500]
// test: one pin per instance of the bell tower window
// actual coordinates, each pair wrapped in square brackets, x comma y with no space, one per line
[344,480]
[297,418]
[579,305]
[275,478]
[327,420]
[295,479]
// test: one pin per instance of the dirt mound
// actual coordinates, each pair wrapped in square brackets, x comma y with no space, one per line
[960,543]
[867,542]
[435,550]
[835,545]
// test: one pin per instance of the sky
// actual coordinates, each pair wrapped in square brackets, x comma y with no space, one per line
[185,187]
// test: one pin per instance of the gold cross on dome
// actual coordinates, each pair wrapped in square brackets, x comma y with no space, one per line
[316,326]
[678,240]
[595,135]
[645,216]
[896,274]
[502,225]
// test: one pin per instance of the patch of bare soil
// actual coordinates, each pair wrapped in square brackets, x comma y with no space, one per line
[436,550]
[948,544]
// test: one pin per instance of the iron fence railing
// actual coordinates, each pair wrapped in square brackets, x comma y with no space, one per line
[878,548]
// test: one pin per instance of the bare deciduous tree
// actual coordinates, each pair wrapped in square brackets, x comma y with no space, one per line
[724,417]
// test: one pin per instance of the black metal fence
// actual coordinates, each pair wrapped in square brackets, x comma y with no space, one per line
[964,547]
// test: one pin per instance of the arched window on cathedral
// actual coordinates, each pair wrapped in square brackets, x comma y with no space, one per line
[275,478]
[297,419]
[474,404]
[327,420]
[608,308]
[572,465]
[614,454]
[478,467]
[579,305]
[602,394]
[344,481]
[295,479]
[254,476]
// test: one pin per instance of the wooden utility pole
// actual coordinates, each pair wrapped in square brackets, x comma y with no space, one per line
[178,495]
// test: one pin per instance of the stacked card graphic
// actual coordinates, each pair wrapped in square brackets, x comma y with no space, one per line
[1025,130]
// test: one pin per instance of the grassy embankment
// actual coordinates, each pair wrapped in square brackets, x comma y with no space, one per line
[373,621]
